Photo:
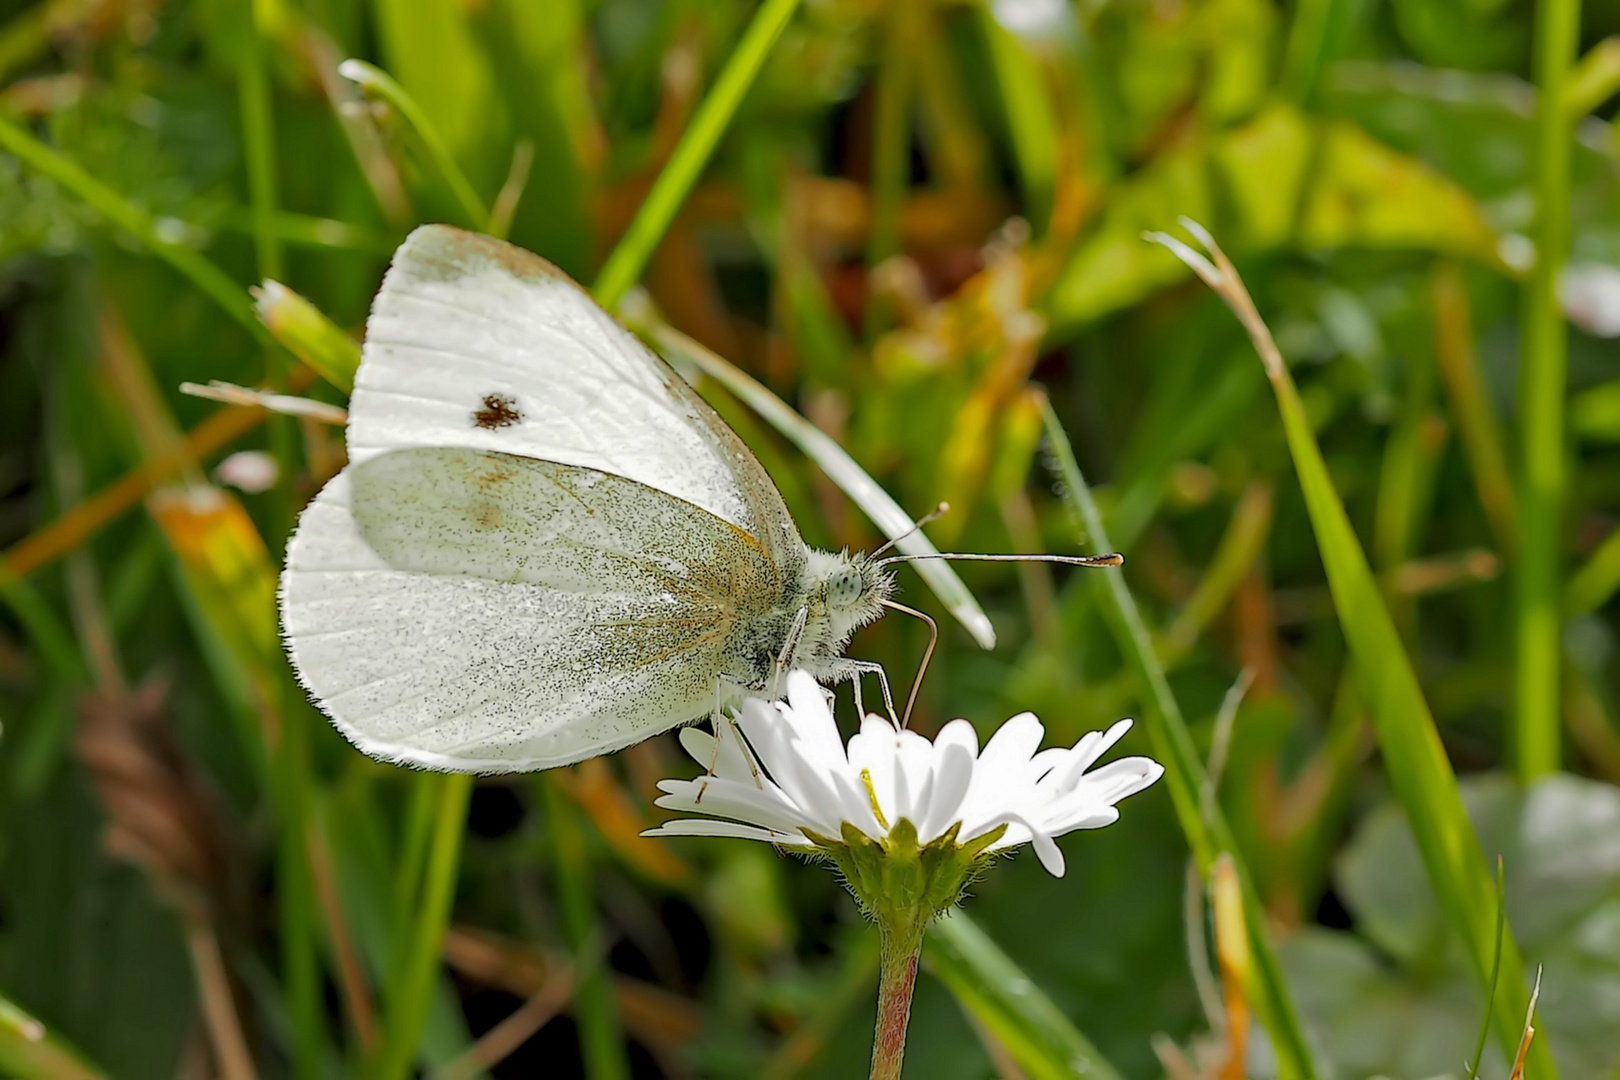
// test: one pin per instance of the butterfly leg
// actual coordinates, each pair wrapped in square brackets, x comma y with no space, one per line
[715,721]
[748,753]
[714,726]
[779,669]
[854,669]
[719,716]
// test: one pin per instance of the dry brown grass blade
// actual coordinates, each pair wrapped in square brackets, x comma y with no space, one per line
[1589,724]
[500,1041]
[164,817]
[659,1020]
[1232,950]
[1411,579]
[351,975]
[620,820]
[89,517]
[84,520]
[1529,1031]
[1173,1058]
[161,815]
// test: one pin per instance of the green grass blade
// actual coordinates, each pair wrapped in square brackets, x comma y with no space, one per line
[295,894]
[1594,80]
[1207,835]
[308,334]
[1032,126]
[312,231]
[623,267]
[1318,27]
[259,147]
[374,80]
[412,995]
[1496,971]
[28,1049]
[601,1034]
[213,281]
[986,983]
[24,38]
[1596,581]
[410,856]
[49,633]
[891,135]
[1471,405]
[1543,374]
[839,467]
[1416,759]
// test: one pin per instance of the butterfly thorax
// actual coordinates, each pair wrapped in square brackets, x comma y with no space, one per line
[837,593]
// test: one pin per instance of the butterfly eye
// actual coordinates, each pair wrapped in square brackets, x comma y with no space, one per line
[844,587]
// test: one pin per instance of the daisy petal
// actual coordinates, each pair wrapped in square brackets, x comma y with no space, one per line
[810,782]
[705,827]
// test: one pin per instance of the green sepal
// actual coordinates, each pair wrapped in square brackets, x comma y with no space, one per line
[900,882]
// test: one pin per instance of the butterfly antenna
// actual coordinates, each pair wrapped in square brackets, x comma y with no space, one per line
[928,654]
[927,519]
[1111,559]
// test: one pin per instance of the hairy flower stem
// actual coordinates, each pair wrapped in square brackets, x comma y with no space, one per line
[897,977]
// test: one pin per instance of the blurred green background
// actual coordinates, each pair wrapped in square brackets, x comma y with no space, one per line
[920,211]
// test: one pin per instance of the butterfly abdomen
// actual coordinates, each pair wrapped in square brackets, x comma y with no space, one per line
[755,645]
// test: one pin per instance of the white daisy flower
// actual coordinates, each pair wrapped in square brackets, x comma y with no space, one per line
[811,791]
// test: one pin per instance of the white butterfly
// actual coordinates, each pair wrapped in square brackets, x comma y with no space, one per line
[545,546]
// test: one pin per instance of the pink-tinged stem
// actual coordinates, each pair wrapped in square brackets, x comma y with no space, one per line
[897,977]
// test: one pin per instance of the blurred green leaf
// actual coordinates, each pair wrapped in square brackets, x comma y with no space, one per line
[1001,997]
[1291,180]
[111,205]
[1559,843]
[539,61]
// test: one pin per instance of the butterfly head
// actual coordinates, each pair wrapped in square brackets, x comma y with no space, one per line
[849,591]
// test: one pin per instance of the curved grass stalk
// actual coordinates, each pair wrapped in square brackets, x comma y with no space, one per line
[374,80]
[1413,753]
[1208,836]
[835,461]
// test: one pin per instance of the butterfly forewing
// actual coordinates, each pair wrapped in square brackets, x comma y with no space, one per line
[476,611]
[474,342]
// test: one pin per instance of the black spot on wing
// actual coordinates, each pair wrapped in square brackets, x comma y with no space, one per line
[499,411]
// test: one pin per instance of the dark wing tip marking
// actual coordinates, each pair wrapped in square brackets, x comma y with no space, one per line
[499,411]
[445,253]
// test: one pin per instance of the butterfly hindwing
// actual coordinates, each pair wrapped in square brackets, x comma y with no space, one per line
[478,611]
